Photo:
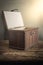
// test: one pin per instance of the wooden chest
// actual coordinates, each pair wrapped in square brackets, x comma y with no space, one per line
[23,39]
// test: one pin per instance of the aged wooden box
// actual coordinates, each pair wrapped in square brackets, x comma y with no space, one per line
[18,35]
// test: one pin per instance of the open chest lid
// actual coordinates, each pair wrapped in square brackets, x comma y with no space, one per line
[13,19]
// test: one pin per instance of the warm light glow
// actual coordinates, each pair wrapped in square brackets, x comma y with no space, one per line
[36,9]
[36,13]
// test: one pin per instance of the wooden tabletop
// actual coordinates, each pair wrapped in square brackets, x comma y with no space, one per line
[34,53]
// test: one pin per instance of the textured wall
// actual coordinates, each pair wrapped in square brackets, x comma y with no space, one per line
[32,12]
[1,29]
